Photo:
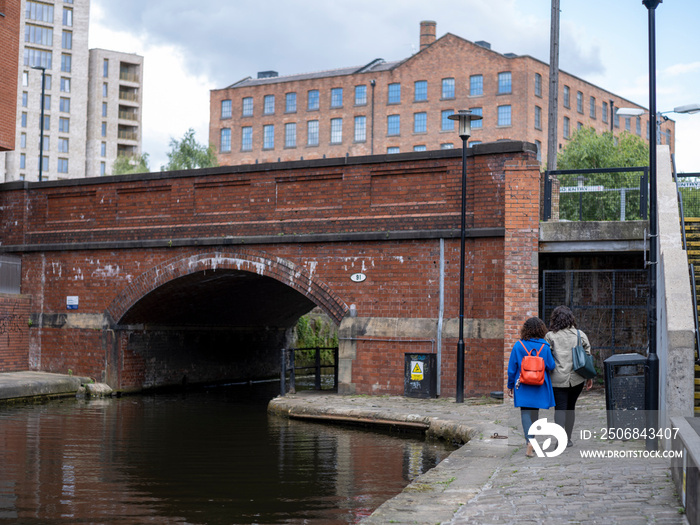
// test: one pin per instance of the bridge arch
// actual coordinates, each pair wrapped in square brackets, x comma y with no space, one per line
[241,260]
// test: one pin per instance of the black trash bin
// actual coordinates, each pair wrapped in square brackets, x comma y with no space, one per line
[625,382]
[420,375]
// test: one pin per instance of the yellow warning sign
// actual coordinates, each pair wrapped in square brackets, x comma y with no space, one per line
[416,371]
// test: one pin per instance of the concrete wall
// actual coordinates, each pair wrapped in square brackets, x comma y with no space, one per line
[675,326]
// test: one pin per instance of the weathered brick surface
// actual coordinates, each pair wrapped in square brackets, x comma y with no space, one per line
[9,43]
[14,332]
[384,219]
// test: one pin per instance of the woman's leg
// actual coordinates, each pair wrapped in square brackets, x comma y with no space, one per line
[574,392]
[528,416]
[561,402]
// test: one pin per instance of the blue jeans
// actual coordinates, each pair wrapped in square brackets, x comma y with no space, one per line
[528,416]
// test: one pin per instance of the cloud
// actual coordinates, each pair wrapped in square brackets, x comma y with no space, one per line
[682,69]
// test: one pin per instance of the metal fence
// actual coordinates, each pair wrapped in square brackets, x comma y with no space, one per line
[289,367]
[611,194]
[688,185]
[610,306]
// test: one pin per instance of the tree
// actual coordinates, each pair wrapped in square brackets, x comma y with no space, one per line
[125,164]
[188,154]
[601,196]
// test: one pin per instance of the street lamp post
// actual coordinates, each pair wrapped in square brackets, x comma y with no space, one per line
[464,119]
[41,120]
[660,116]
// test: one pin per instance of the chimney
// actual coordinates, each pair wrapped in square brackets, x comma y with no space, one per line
[427,33]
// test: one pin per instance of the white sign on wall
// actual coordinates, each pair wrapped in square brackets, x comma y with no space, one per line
[72,302]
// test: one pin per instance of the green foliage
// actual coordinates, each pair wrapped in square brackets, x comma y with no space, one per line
[312,332]
[188,154]
[616,196]
[125,164]
[588,150]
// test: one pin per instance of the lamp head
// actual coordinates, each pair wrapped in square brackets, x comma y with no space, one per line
[630,112]
[464,118]
[688,108]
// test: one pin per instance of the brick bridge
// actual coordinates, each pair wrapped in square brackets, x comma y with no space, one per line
[155,279]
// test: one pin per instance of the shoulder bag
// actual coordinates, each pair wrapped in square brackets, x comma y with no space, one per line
[583,361]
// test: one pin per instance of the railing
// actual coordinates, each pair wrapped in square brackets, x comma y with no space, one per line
[128,135]
[129,77]
[288,365]
[688,193]
[610,194]
[128,115]
[129,95]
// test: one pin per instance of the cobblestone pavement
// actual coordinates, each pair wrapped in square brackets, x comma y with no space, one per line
[489,480]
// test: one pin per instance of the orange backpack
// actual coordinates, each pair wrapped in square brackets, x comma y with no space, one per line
[532,367]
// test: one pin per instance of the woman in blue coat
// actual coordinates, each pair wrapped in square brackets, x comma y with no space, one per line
[530,398]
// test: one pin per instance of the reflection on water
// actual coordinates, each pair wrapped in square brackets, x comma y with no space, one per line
[211,457]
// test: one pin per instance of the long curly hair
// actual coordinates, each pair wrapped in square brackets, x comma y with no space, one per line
[533,328]
[562,317]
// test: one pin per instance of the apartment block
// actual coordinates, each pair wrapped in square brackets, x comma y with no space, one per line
[9,43]
[54,60]
[115,94]
[390,107]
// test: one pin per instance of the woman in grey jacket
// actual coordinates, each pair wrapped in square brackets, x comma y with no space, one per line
[566,383]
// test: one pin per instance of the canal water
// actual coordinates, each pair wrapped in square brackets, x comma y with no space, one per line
[208,457]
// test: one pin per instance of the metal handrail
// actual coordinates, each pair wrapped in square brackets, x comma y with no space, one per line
[288,364]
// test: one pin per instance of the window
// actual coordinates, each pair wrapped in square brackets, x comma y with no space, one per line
[269,105]
[447,145]
[538,85]
[246,138]
[476,124]
[105,68]
[313,100]
[504,115]
[420,122]
[360,95]
[474,143]
[639,126]
[448,88]
[393,125]
[337,97]
[104,129]
[23,140]
[62,145]
[579,125]
[64,105]
[579,102]
[592,107]
[23,120]
[39,12]
[445,123]
[247,107]
[63,125]
[104,109]
[103,169]
[225,140]
[25,99]
[360,129]
[420,148]
[47,143]
[392,150]
[538,117]
[539,150]
[67,17]
[312,133]
[63,165]
[66,63]
[38,35]
[25,76]
[504,83]
[103,149]
[104,89]
[65,85]
[628,127]
[616,118]
[269,136]
[47,122]
[47,102]
[37,57]
[566,127]
[476,85]
[22,161]
[47,81]
[67,40]
[336,130]
[420,89]
[567,97]
[605,112]
[226,109]
[394,93]
[290,135]
[44,163]
[290,103]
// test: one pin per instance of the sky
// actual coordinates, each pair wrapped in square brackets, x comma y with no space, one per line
[190,48]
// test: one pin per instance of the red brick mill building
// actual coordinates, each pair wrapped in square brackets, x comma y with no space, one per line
[151,280]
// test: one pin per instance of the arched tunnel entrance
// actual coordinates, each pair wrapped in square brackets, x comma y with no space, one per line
[214,322]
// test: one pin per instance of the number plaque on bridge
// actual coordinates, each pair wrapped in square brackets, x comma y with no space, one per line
[358,277]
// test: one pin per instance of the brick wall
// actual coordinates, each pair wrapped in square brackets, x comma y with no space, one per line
[9,43]
[121,243]
[15,312]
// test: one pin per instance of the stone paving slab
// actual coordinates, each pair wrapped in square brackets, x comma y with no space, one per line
[490,481]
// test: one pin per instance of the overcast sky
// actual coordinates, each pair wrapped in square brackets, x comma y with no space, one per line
[193,47]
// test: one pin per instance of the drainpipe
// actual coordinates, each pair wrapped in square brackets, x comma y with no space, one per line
[371,139]
[441,311]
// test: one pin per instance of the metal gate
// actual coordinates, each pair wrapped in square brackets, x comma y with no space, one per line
[610,307]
